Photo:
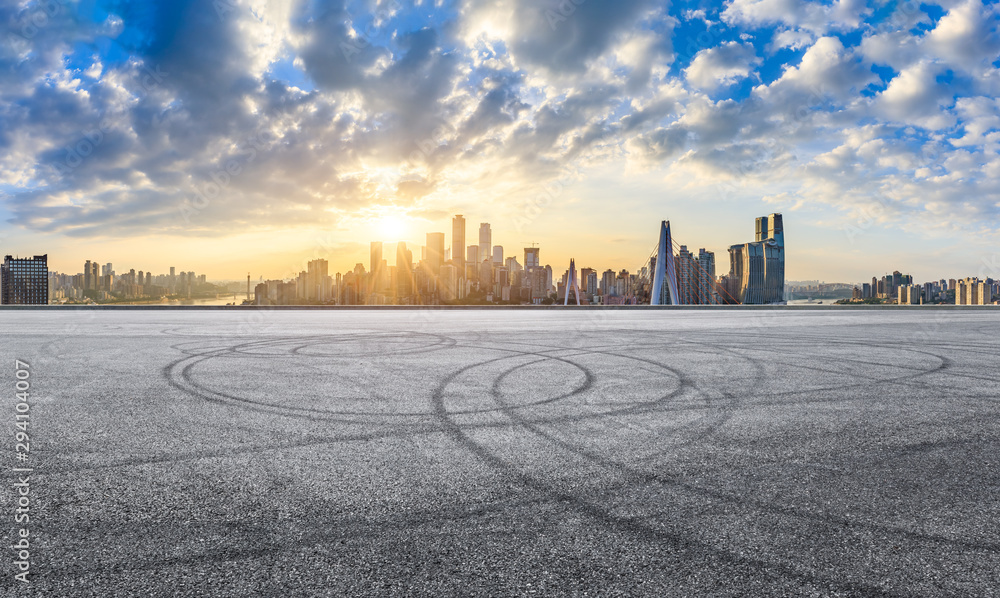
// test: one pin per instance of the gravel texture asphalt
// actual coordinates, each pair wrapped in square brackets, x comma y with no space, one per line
[507,452]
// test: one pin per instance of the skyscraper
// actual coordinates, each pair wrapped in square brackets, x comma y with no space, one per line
[435,253]
[317,282]
[757,269]
[458,244]
[375,266]
[485,241]
[498,255]
[472,262]
[404,271]
[687,277]
[24,281]
[706,278]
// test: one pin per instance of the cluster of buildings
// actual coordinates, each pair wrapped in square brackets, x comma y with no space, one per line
[28,281]
[482,273]
[457,274]
[899,288]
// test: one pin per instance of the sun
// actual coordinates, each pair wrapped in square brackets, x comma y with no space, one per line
[391,227]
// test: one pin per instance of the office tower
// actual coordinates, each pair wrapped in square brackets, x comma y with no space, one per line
[531,258]
[761,229]
[375,265]
[458,243]
[774,254]
[485,241]
[591,282]
[776,229]
[706,294]
[317,273]
[485,274]
[498,255]
[448,282]
[435,253]
[472,262]
[584,283]
[24,281]
[746,269]
[757,269]
[404,271]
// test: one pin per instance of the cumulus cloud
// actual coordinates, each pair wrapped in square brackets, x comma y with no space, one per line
[268,114]
[721,65]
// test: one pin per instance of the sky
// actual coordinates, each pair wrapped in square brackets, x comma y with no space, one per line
[235,136]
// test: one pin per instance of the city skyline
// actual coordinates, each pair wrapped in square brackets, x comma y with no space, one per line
[575,125]
[984,269]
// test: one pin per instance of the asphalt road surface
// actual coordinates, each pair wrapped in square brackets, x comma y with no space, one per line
[517,452]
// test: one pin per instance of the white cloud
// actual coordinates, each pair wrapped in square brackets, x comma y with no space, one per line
[915,97]
[796,14]
[723,65]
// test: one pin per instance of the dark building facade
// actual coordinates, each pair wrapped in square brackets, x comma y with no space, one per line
[24,281]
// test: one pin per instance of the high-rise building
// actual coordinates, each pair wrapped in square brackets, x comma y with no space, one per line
[318,283]
[91,276]
[972,291]
[404,271]
[591,282]
[757,269]
[458,243]
[707,294]
[608,283]
[375,266]
[24,281]
[687,277]
[485,241]
[472,262]
[435,253]
[498,255]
